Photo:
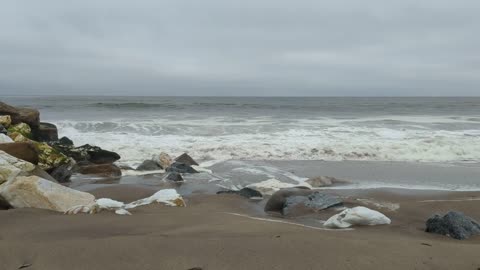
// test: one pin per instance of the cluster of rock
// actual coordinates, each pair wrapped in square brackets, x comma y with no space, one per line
[22,187]
[25,137]
[174,168]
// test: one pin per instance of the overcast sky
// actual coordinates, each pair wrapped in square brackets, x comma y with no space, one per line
[247,47]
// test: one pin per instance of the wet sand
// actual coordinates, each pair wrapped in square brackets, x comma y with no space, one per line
[207,234]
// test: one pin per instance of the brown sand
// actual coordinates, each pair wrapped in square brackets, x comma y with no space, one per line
[204,235]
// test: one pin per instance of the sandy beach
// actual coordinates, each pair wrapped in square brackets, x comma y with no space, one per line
[231,232]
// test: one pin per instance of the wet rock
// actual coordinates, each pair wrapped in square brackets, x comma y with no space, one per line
[21,115]
[103,170]
[65,141]
[62,173]
[175,177]
[181,168]
[5,120]
[22,150]
[48,157]
[270,186]
[17,137]
[22,129]
[46,132]
[42,174]
[163,159]
[301,205]
[149,165]
[3,130]
[359,215]
[35,192]
[186,159]
[277,202]
[244,192]
[453,224]
[89,153]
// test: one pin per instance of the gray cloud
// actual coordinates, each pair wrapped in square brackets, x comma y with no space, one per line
[267,47]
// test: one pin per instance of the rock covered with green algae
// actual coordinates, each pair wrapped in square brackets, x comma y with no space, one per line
[22,129]
[50,158]
[11,167]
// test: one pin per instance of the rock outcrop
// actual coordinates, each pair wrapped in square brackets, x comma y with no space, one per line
[454,224]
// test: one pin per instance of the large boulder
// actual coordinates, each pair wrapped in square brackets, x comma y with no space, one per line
[49,158]
[5,120]
[88,153]
[244,192]
[35,192]
[22,150]
[11,167]
[103,170]
[21,115]
[302,205]
[453,224]
[46,132]
[163,159]
[186,159]
[181,168]
[277,201]
[149,165]
[22,129]
[356,216]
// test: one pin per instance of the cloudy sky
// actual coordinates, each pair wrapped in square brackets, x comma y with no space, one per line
[248,47]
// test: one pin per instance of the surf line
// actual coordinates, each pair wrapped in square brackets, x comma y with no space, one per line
[452,200]
[285,222]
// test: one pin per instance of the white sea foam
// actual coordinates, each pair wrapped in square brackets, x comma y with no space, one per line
[215,139]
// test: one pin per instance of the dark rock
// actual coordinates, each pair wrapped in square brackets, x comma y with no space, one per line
[22,150]
[279,198]
[65,141]
[92,154]
[300,205]
[244,192]
[62,173]
[43,174]
[186,159]
[149,165]
[181,168]
[3,130]
[46,132]
[21,115]
[453,224]
[104,170]
[175,177]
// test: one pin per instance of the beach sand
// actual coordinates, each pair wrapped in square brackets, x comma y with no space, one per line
[229,232]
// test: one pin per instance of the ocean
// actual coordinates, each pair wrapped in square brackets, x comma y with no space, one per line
[214,129]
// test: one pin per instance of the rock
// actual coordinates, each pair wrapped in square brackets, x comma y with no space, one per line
[324,181]
[5,120]
[186,159]
[164,160]
[36,192]
[244,192]
[149,165]
[175,177]
[42,174]
[46,132]
[62,173]
[104,170]
[49,158]
[181,168]
[93,154]
[11,167]
[21,115]
[3,130]
[17,137]
[300,205]
[453,224]
[22,129]
[65,141]
[356,216]
[22,150]
[277,202]
[5,139]
[270,186]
